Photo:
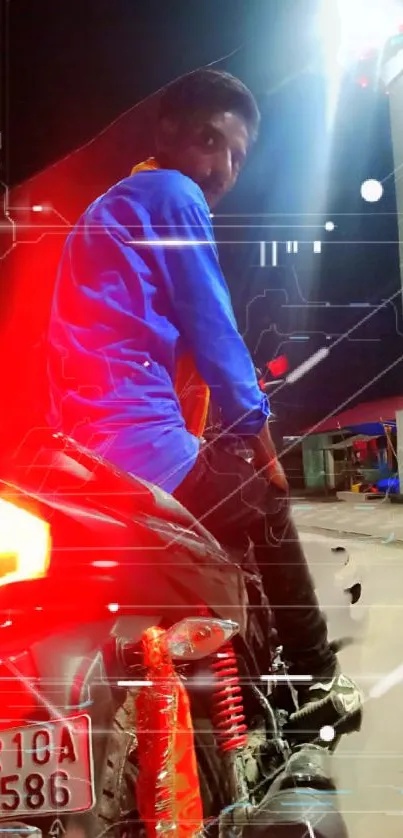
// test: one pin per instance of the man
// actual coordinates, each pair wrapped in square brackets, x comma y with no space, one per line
[142,331]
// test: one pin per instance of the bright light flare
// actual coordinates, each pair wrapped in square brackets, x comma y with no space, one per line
[24,544]
[391,679]
[285,679]
[327,733]
[169,242]
[371,191]
[349,29]
[308,365]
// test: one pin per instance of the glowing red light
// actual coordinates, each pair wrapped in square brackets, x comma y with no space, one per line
[363,81]
[278,366]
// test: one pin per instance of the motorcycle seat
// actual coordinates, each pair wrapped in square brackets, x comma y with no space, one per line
[52,463]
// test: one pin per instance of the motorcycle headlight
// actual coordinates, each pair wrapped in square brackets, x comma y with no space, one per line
[24,544]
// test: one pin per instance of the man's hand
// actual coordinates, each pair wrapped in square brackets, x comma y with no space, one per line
[266,460]
[276,475]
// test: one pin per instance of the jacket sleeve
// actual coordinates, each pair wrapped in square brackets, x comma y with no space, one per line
[205,318]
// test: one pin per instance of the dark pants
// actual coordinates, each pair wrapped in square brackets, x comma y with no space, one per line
[227,495]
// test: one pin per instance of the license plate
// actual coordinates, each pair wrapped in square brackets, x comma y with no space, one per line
[46,768]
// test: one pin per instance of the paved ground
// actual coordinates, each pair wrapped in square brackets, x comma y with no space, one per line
[369,765]
[379,519]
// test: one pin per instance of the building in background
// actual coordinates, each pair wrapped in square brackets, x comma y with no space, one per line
[356,448]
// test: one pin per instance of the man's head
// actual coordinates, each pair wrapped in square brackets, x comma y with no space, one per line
[206,124]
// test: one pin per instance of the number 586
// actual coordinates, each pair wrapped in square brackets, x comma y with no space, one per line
[33,793]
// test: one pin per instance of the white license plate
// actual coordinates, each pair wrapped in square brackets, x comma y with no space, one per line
[46,768]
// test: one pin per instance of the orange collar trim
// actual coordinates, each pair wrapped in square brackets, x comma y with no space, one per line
[149,165]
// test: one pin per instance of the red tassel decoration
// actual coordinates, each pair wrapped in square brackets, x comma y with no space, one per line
[168,791]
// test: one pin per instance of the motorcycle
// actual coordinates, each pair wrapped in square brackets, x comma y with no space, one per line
[142,692]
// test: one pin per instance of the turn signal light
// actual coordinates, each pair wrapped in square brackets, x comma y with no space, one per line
[24,544]
[198,637]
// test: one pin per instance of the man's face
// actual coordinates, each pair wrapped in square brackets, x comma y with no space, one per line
[211,150]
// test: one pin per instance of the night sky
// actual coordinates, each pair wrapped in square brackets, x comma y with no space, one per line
[74,66]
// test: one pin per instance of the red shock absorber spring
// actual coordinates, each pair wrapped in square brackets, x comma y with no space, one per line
[228,711]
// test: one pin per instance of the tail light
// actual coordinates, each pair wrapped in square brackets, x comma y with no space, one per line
[24,544]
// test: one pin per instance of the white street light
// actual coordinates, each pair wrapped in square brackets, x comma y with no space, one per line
[329,226]
[349,28]
[371,191]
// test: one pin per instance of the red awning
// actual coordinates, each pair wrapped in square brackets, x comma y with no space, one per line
[383,411]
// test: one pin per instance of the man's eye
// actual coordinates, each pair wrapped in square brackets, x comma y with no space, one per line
[208,140]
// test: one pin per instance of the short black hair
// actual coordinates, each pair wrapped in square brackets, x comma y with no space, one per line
[209,90]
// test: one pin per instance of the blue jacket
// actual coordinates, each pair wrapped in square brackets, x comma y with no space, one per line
[129,304]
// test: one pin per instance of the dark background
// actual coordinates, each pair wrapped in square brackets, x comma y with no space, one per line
[71,68]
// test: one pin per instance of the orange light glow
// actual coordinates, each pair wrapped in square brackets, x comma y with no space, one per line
[24,544]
